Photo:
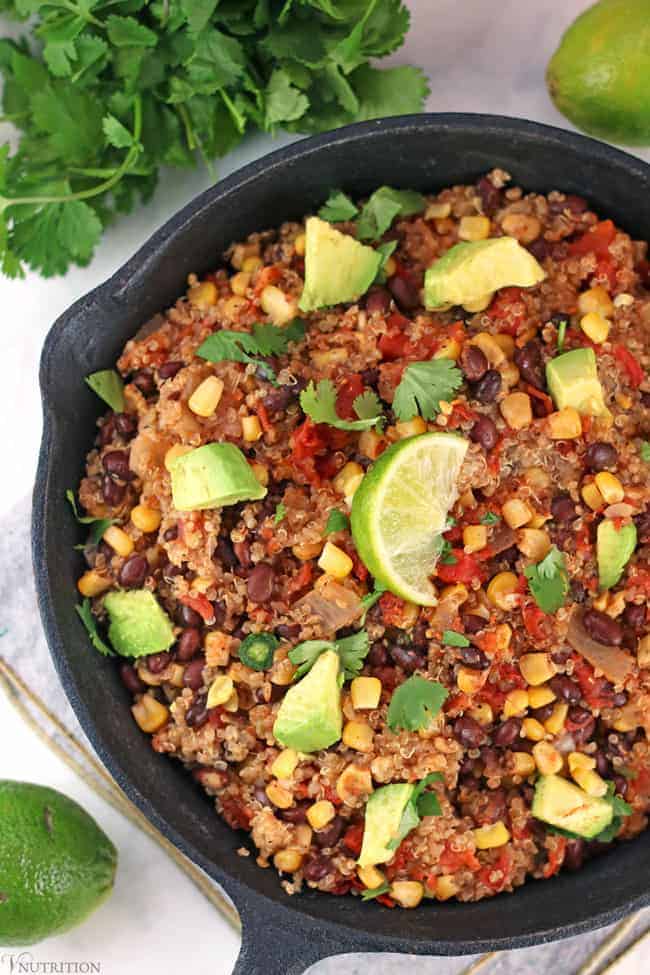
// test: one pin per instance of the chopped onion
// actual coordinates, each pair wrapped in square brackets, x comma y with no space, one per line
[614,663]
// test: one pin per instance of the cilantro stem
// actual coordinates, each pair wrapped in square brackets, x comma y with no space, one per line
[187,125]
[83,14]
[87,194]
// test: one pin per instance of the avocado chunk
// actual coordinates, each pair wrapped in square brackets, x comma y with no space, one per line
[138,624]
[562,804]
[337,267]
[469,271]
[573,381]
[310,715]
[213,476]
[384,812]
[614,549]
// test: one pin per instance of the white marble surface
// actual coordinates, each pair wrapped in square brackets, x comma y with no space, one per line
[481,57]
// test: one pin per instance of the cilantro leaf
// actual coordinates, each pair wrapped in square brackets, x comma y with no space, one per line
[446,552]
[415,703]
[423,386]
[454,639]
[280,513]
[420,804]
[383,206]
[548,580]
[490,518]
[369,600]
[247,347]
[89,621]
[645,451]
[338,207]
[385,249]
[319,403]
[371,892]
[108,385]
[99,524]
[284,102]
[337,521]
[351,649]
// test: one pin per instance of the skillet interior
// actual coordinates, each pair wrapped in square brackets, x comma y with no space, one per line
[419,152]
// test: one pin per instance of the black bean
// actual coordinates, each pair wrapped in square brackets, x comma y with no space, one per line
[544,713]
[116,462]
[156,662]
[600,456]
[583,723]
[193,675]
[602,627]
[112,492]
[277,400]
[186,616]
[563,507]
[331,834]
[197,713]
[189,644]
[485,433]
[107,431]
[260,583]
[530,364]
[539,248]
[468,732]
[378,301]
[490,195]
[642,523]
[619,699]
[169,369]
[577,591]
[634,617]
[565,689]
[603,765]
[169,570]
[259,793]
[126,424]
[130,679]
[474,658]
[473,623]
[134,572]
[295,814]
[620,786]
[316,867]
[473,362]
[408,659]
[378,655]
[487,389]
[288,631]
[224,553]
[243,553]
[171,534]
[405,292]
[574,854]
[370,377]
[144,381]
[574,204]
[507,733]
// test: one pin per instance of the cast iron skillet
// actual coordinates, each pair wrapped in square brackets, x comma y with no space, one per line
[283,935]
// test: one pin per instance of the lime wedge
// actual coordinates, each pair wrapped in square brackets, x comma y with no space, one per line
[400,510]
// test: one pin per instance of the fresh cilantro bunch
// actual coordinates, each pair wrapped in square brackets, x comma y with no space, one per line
[105,92]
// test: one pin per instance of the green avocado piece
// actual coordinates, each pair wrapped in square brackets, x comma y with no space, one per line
[614,549]
[562,804]
[573,381]
[384,811]
[138,624]
[471,270]
[310,715]
[598,75]
[213,476]
[337,267]
[56,864]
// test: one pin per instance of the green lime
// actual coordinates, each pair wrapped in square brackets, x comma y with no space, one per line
[56,864]
[400,510]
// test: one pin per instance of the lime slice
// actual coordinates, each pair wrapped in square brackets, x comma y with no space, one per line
[400,510]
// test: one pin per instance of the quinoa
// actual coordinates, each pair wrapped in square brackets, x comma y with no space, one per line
[225,573]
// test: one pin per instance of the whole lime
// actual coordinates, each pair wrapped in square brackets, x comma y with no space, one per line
[56,864]
[599,77]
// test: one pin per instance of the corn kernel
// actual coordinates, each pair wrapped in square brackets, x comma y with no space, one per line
[590,781]
[349,476]
[554,724]
[285,764]
[239,283]
[564,424]
[437,211]
[489,837]
[407,893]
[205,398]
[477,304]
[516,410]
[534,543]
[365,693]
[300,245]
[370,444]
[220,690]
[502,637]
[536,668]
[251,428]
[288,861]
[510,377]
[261,473]
[610,487]
[232,704]
[278,795]
[592,496]
[92,584]
[448,349]
[516,703]
[456,593]
[483,713]
[320,814]
[506,343]
[595,300]
[595,327]
[626,721]
[234,306]
[533,729]
[119,541]
[335,562]
[307,550]
[523,764]
[174,452]
[540,696]
[469,681]
[446,887]
[150,714]
[474,538]
[353,783]
[490,348]
[371,877]
[547,758]
[643,652]
[203,295]
[358,735]
[279,307]
[146,519]
[252,264]
[516,513]
[474,228]
[578,761]
[411,428]
[502,591]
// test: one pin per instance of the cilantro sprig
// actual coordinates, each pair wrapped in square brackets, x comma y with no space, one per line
[251,347]
[85,615]
[319,403]
[423,386]
[280,513]
[108,385]
[376,216]
[421,804]
[351,649]
[415,703]
[548,580]
[369,600]
[337,521]
[99,525]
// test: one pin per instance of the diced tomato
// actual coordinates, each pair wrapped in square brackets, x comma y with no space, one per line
[536,621]
[465,569]
[385,900]
[348,392]
[606,271]
[263,416]
[236,815]
[452,860]
[634,371]
[555,857]
[393,345]
[306,442]
[332,796]
[497,875]
[597,691]
[595,241]
[400,861]
[541,397]
[353,838]
[358,568]
[461,413]
[392,609]
[267,275]
[301,580]
[508,310]
[200,605]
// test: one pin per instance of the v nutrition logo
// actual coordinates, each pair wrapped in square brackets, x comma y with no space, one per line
[24,963]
